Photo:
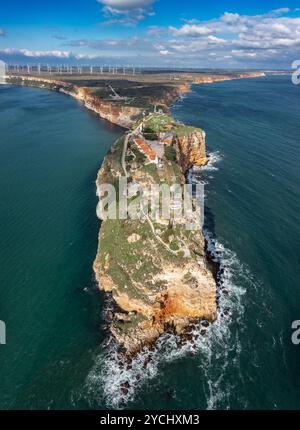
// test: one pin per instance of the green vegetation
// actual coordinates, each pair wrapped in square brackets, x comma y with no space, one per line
[112,161]
[129,158]
[159,123]
[124,326]
[130,252]
[131,266]
[177,172]
[124,257]
[172,172]
[167,233]
[174,245]
[151,170]
[142,92]
[140,158]
[184,130]
[150,134]
[170,153]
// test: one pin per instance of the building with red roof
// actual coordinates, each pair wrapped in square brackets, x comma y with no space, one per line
[145,148]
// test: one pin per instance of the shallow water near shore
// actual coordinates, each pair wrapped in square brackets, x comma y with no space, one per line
[50,151]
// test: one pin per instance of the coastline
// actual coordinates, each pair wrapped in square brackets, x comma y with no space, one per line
[188,156]
[123,116]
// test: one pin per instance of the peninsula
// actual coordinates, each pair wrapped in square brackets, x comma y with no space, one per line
[156,271]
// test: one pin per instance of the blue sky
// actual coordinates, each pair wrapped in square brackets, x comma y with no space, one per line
[214,33]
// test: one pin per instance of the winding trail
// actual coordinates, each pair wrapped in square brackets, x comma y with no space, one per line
[124,152]
[129,135]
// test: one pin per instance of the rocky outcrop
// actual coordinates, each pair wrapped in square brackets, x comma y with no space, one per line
[191,150]
[159,277]
[171,94]
[186,294]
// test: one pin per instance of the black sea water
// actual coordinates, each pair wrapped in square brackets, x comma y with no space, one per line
[55,357]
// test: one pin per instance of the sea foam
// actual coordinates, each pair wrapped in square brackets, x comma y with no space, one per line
[117,383]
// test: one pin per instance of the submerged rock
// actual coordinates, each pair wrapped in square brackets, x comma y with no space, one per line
[124,387]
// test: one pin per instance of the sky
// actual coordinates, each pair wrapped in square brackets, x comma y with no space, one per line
[162,33]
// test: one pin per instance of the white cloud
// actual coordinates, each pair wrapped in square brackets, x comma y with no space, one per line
[85,57]
[131,44]
[126,4]
[24,56]
[215,40]
[165,52]
[191,30]
[35,54]
[259,37]
[280,11]
[238,40]
[280,28]
[126,12]
[243,54]
[231,18]
[2,32]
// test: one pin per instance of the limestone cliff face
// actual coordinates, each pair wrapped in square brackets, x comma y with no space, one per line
[171,94]
[208,79]
[178,295]
[192,150]
[118,114]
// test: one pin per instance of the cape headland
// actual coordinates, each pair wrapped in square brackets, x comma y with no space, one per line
[156,271]
[155,268]
[122,100]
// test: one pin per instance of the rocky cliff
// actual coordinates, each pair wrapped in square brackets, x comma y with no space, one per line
[155,270]
[208,79]
[116,113]
[122,112]
[191,150]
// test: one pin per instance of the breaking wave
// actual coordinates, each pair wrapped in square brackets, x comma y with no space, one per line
[214,158]
[217,345]
[116,383]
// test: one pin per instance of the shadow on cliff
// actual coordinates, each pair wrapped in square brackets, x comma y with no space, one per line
[210,226]
[209,221]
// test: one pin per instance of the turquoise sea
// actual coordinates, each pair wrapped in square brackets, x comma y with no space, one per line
[57,356]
